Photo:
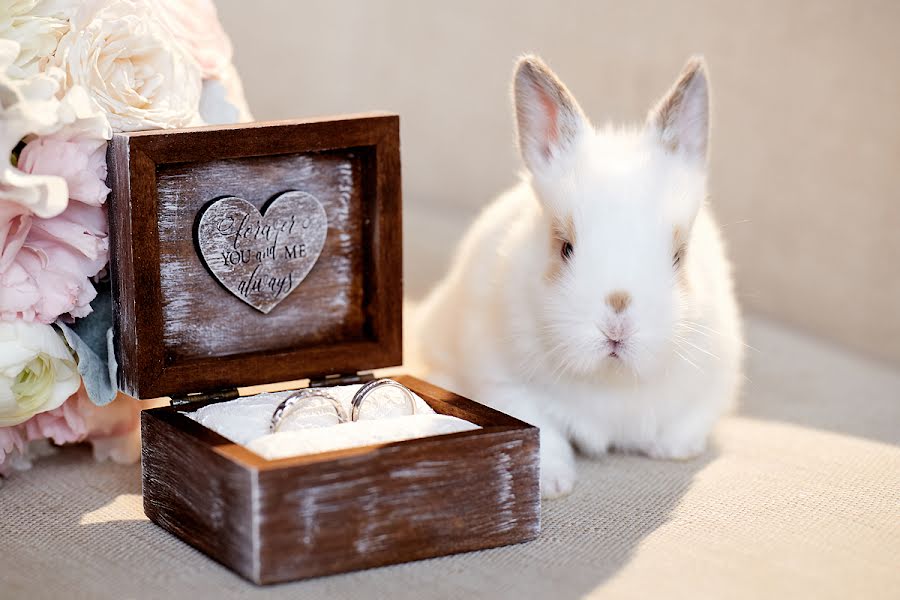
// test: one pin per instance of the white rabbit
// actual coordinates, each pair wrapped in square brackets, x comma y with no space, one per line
[594,299]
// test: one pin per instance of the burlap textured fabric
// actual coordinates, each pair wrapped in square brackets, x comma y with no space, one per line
[799,497]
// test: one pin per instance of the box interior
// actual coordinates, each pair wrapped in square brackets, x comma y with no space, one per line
[384,418]
[328,307]
[440,400]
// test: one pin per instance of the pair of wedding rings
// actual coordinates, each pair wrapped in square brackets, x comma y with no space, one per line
[296,401]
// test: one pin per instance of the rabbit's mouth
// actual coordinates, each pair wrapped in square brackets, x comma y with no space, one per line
[614,342]
[615,346]
[615,353]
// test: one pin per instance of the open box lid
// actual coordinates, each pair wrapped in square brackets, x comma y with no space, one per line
[209,295]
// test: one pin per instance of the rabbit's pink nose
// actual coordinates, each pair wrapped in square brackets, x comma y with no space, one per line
[615,338]
[618,301]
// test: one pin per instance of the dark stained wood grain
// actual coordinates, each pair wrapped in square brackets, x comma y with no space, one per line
[308,516]
[201,318]
[195,493]
[177,330]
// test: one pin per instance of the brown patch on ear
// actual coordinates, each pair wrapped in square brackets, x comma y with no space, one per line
[673,108]
[547,115]
[561,231]
[666,110]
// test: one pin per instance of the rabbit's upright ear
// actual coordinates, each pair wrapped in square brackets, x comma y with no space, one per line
[681,118]
[548,119]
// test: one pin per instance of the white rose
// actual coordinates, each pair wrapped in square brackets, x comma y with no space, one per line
[30,107]
[131,65]
[195,24]
[37,26]
[37,371]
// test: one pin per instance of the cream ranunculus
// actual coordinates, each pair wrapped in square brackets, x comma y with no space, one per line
[32,107]
[37,26]
[131,65]
[27,106]
[37,371]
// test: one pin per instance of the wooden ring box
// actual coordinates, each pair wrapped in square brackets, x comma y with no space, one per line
[180,333]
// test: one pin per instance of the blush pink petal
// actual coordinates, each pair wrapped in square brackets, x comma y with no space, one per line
[12,439]
[15,223]
[46,264]
[113,430]
[81,162]
[18,294]
[62,425]
[80,228]
[195,23]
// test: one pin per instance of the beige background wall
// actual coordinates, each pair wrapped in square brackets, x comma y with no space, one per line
[806,141]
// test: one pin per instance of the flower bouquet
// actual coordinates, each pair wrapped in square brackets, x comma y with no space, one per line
[72,72]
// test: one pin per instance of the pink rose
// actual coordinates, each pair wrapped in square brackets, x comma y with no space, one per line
[113,430]
[81,162]
[45,264]
[195,23]
[62,425]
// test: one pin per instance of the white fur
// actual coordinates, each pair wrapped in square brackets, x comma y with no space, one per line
[498,330]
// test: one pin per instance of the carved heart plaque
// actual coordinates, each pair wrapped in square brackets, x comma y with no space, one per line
[261,258]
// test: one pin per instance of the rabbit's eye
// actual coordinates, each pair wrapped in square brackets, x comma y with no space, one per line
[566,250]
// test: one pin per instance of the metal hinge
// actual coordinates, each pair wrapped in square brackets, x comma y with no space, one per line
[337,379]
[232,393]
[217,396]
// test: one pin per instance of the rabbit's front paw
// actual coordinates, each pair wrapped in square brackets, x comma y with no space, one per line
[557,473]
[677,448]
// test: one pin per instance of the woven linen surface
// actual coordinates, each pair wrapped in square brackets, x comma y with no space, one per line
[798,497]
